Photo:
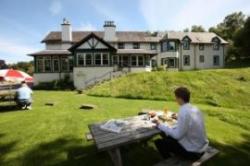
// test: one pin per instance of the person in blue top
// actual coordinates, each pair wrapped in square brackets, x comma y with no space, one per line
[24,96]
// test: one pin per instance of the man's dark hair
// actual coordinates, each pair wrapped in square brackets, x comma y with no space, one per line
[182,93]
[23,82]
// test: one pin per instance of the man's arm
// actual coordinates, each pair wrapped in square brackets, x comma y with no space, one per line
[180,130]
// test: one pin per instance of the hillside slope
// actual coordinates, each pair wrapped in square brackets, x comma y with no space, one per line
[218,87]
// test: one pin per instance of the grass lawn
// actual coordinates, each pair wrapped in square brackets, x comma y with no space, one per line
[55,135]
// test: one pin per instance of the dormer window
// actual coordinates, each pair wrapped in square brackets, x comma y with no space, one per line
[120,45]
[153,46]
[216,43]
[136,45]
[186,43]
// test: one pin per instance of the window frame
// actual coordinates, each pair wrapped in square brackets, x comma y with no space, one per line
[121,45]
[136,45]
[214,58]
[216,43]
[168,46]
[184,62]
[153,46]
[187,45]
[134,60]
[201,60]
[103,59]
[56,59]
[48,59]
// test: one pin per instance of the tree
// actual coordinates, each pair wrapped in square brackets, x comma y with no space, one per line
[230,25]
[186,30]
[197,28]
[242,40]
[23,66]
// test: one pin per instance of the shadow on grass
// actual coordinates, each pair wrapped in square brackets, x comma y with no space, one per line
[8,108]
[235,154]
[64,151]
[71,151]
[5,149]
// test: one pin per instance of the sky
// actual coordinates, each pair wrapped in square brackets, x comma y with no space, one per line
[24,23]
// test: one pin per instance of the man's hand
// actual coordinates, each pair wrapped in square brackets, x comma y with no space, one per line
[156,121]
[152,114]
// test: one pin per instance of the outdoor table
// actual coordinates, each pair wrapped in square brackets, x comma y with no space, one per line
[137,129]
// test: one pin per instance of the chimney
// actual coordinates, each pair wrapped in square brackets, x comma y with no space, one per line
[109,31]
[66,31]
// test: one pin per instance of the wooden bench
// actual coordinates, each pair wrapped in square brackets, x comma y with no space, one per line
[177,161]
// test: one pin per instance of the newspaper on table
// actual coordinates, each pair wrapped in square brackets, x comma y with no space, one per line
[114,125]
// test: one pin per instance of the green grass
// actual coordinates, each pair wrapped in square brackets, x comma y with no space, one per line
[221,87]
[55,135]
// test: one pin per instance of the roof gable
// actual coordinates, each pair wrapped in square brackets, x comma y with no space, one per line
[92,41]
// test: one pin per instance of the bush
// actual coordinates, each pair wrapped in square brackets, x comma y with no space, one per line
[63,84]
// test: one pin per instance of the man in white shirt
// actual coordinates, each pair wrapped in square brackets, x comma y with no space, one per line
[188,138]
[24,96]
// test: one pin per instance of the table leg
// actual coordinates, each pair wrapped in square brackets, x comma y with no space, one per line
[115,155]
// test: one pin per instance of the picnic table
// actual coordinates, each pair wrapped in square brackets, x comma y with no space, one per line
[137,129]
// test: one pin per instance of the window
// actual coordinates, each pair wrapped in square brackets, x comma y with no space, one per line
[136,45]
[147,60]
[47,64]
[65,64]
[55,62]
[133,60]
[201,46]
[39,64]
[71,63]
[153,46]
[202,59]
[115,60]
[186,43]
[120,45]
[216,43]
[216,60]
[105,59]
[88,59]
[164,46]
[171,46]
[80,59]
[186,60]
[125,61]
[98,59]
[140,60]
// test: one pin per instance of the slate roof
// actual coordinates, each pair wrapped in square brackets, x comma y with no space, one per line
[196,37]
[122,36]
[51,52]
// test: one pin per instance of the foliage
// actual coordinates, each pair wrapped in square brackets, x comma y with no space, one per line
[63,84]
[197,28]
[219,87]
[230,25]
[228,29]
[27,67]
[54,135]
[242,40]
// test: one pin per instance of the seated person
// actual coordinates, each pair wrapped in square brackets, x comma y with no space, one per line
[188,138]
[23,96]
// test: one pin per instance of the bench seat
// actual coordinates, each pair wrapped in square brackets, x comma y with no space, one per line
[177,161]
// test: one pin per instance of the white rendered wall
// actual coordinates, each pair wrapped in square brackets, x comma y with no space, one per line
[66,32]
[48,77]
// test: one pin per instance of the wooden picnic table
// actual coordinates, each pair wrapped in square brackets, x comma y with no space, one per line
[137,129]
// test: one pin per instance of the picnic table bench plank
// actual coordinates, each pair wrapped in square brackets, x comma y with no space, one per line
[177,161]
